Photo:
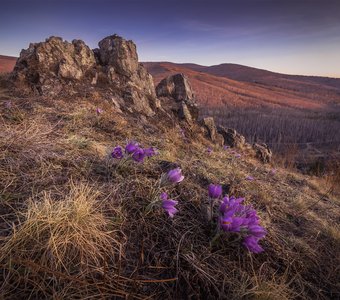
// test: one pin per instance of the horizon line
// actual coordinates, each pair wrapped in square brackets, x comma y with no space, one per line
[224,63]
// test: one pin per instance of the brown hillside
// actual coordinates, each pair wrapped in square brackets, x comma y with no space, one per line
[7,63]
[248,87]
[108,193]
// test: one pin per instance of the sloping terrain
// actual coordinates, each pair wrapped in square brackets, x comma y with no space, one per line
[240,86]
[109,192]
[249,74]
[7,63]
[76,223]
[287,112]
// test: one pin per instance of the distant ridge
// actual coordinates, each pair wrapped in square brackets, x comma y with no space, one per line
[241,86]
[251,74]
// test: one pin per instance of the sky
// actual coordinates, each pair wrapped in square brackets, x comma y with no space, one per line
[291,36]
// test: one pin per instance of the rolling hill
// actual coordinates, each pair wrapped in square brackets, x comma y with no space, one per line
[7,63]
[284,111]
[241,86]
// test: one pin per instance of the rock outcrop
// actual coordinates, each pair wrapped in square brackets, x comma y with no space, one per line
[231,137]
[56,67]
[263,152]
[46,66]
[213,135]
[118,53]
[176,92]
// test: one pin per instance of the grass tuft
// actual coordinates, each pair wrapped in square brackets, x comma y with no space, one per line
[59,239]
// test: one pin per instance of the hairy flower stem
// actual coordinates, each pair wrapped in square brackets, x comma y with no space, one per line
[154,196]
[211,209]
[123,161]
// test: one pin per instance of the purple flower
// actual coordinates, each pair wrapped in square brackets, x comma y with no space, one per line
[250,178]
[215,191]
[209,150]
[238,155]
[169,205]
[257,231]
[273,171]
[117,152]
[149,152]
[138,155]
[232,224]
[251,243]
[99,111]
[131,147]
[230,204]
[226,147]
[175,175]
[236,217]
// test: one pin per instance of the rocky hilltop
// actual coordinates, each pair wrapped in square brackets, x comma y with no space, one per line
[57,67]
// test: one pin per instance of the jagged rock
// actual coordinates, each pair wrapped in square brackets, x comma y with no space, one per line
[120,54]
[184,112]
[231,137]
[45,65]
[209,123]
[212,133]
[57,67]
[219,140]
[263,152]
[177,87]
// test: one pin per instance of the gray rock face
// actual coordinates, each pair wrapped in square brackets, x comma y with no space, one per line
[120,54]
[176,86]
[47,64]
[56,66]
[177,89]
[263,152]
[231,137]
[213,135]
[209,123]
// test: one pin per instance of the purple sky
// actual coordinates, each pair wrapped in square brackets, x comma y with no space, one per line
[292,36]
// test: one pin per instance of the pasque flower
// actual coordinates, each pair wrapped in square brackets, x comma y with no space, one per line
[149,152]
[169,205]
[257,231]
[99,111]
[243,219]
[250,178]
[117,152]
[175,175]
[251,243]
[138,155]
[215,191]
[133,152]
[131,147]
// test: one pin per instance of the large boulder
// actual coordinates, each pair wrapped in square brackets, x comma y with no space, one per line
[56,67]
[263,152]
[176,91]
[231,137]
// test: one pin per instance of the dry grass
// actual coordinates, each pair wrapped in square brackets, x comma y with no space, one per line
[58,244]
[72,226]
